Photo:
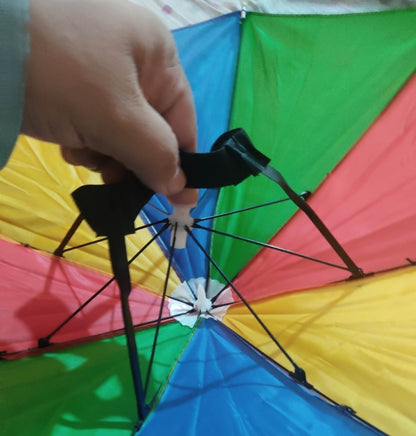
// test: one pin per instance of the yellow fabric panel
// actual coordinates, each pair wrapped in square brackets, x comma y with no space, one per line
[355,340]
[36,208]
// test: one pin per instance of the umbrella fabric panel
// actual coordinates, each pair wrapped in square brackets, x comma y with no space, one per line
[84,390]
[39,291]
[222,386]
[307,88]
[208,53]
[37,209]
[355,340]
[36,185]
[365,201]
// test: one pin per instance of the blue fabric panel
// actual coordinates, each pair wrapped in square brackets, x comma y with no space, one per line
[222,386]
[208,52]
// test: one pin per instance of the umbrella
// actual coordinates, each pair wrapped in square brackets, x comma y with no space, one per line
[332,110]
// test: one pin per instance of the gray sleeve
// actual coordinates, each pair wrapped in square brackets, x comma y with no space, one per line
[14,51]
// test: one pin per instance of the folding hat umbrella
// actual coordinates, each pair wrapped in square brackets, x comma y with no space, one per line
[331,108]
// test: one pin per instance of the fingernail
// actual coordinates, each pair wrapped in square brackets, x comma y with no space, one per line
[176,183]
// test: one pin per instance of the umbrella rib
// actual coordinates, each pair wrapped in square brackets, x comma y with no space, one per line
[190,289]
[92,337]
[299,373]
[216,306]
[45,340]
[159,209]
[59,251]
[214,299]
[276,177]
[180,301]
[232,212]
[165,287]
[86,244]
[273,247]
[165,318]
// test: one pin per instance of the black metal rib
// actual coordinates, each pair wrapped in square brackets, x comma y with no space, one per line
[179,300]
[165,286]
[110,333]
[273,247]
[214,299]
[68,236]
[257,206]
[60,250]
[276,177]
[45,340]
[299,373]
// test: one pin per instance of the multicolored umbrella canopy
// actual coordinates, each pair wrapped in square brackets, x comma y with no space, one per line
[331,101]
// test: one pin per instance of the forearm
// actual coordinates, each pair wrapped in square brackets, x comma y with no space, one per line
[14,51]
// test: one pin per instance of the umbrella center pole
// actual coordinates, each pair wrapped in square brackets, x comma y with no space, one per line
[120,267]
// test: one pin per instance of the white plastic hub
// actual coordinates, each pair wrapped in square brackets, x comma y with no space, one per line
[194,299]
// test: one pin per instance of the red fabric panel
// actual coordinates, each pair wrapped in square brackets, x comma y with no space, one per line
[38,291]
[368,202]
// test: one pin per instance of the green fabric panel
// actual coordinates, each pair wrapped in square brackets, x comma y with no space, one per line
[84,390]
[307,88]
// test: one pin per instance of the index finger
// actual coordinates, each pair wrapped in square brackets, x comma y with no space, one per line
[181,115]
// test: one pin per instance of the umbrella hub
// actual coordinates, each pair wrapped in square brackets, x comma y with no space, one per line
[199,298]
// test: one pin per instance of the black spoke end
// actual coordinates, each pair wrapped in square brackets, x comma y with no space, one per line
[358,273]
[44,342]
[305,194]
[300,375]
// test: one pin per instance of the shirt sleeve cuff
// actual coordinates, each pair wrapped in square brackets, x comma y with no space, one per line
[14,52]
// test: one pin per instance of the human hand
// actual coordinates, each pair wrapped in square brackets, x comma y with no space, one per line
[104,81]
